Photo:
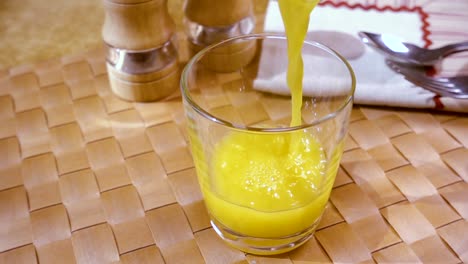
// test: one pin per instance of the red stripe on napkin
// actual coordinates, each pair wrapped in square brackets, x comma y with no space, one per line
[422,14]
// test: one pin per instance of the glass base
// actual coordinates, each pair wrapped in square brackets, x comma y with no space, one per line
[263,246]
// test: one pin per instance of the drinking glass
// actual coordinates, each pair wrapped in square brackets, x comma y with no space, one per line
[266,181]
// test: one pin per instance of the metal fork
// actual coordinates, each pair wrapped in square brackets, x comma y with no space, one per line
[455,87]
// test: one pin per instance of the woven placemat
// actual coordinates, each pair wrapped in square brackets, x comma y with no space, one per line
[88,178]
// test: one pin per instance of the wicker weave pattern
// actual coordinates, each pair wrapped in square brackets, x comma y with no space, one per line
[88,178]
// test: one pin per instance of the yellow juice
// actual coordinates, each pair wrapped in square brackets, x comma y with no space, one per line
[295,14]
[271,185]
[263,189]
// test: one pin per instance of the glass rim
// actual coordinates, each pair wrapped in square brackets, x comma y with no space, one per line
[200,110]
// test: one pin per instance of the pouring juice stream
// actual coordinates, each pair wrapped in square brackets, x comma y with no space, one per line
[295,15]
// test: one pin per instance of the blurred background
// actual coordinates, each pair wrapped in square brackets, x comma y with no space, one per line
[37,30]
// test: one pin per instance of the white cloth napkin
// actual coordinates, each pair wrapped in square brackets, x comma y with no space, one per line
[376,84]
[324,79]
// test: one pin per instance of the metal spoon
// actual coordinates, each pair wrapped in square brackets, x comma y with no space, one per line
[396,50]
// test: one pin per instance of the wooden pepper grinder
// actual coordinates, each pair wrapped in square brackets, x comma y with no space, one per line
[211,21]
[142,58]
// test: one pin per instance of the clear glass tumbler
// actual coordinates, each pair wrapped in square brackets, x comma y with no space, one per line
[265,182]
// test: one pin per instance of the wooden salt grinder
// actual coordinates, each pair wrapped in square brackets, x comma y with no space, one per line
[142,58]
[211,21]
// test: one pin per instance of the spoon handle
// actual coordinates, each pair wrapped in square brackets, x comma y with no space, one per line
[453,48]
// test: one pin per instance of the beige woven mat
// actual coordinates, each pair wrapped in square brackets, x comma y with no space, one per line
[88,178]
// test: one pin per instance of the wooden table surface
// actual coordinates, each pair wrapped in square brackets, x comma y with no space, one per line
[88,178]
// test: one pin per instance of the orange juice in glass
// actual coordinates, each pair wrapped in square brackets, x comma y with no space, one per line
[266,178]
